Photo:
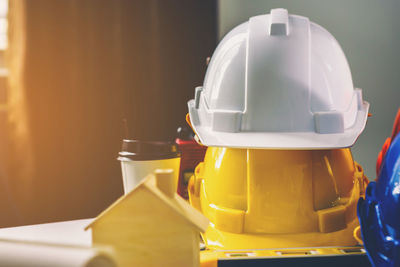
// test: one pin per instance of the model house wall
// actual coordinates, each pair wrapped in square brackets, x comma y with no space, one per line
[151,227]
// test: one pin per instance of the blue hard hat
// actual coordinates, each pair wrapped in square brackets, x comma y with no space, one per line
[379,213]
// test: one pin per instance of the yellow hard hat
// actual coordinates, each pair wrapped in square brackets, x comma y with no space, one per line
[257,198]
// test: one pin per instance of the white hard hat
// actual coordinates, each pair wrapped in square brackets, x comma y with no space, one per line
[278,81]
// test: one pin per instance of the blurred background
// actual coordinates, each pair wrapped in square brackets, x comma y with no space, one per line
[78,76]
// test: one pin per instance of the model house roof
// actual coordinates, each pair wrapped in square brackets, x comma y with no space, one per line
[154,183]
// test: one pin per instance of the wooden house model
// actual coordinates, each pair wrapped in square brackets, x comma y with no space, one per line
[151,225]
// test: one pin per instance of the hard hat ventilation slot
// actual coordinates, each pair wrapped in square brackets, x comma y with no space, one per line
[194,116]
[197,95]
[329,122]
[360,101]
[227,121]
[279,22]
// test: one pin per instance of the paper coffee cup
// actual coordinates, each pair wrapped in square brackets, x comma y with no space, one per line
[141,158]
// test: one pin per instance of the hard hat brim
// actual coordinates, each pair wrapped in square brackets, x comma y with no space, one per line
[244,241]
[279,140]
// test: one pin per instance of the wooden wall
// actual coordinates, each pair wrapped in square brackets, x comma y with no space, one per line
[78,69]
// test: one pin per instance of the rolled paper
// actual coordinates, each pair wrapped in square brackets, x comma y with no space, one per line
[21,254]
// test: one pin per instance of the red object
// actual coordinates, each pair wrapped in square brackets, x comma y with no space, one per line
[386,145]
[396,125]
[382,155]
[191,155]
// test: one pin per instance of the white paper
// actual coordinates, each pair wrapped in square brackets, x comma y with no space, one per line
[70,233]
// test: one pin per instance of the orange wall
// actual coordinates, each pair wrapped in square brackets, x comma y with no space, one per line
[78,68]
